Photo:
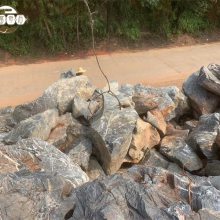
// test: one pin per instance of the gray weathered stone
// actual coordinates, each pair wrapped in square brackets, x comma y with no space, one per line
[212,168]
[37,155]
[144,103]
[58,135]
[6,119]
[94,170]
[59,95]
[26,195]
[80,153]
[202,101]
[155,159]
[176,149]
[38,126]
[155,117]
[111,135]
[205,134]
[209,78]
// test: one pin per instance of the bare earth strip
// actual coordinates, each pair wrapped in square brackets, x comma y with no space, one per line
[157,67]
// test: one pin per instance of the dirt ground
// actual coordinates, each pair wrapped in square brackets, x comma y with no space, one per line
[156,67]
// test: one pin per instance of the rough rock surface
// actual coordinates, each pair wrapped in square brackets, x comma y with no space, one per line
[29,196]
[143,193]
[202,101]
[171,101]
[176,149]
[6,120]
[144,138]
[80,154]
[144,103]
[176,145]
[209,78]
[205,134]
[112,135]
[58,135]
[37,126]
[94,170]
[59,95]
[155,117]
[37,155]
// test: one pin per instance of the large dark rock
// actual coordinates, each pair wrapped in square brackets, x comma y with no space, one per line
[37,126]
[176,149]
[205,134]
[209,78]
[6,120]
[112,135]
[144,193]
[59,95]
[59,134]
[37,155]
[202,101]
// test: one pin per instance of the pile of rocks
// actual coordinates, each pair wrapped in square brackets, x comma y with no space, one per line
[158,157]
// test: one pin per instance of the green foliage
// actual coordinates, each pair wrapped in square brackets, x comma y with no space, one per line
[63,25]
[191,23]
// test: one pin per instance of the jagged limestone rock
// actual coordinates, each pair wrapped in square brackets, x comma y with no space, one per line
[112,135]
[37,126]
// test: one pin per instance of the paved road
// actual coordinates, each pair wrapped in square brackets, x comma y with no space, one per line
[157,67]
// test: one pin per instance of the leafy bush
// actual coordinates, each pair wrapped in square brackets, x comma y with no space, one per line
[63,25]
[191,23]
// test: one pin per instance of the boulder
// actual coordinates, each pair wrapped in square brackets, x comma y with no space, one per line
[205,134]
[6,120]
[209,78]
[95,170]
[144,138]
[156,119]
[37,126]
[36,155]
[26,195]
[80,154]
[111,135]
[176,149]
[201,100]
[143,193]
[59,95]
[170,100]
